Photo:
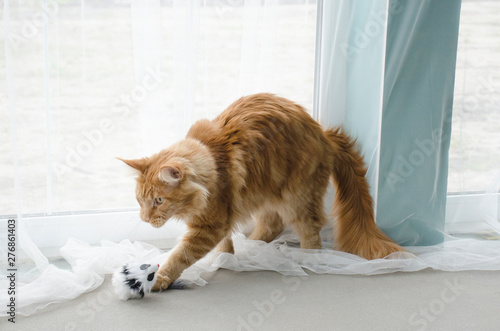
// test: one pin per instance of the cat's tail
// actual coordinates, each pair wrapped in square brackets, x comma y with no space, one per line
[355,228]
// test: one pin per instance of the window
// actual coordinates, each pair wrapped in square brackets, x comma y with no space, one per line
[88,81]
[475,149]
[474,173]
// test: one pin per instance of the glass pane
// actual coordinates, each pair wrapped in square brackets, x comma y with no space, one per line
[475,142]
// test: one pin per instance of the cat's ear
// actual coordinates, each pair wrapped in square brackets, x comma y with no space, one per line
[138,164]
[171,174]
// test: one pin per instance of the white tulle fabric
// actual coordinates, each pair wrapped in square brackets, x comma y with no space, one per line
[90,264]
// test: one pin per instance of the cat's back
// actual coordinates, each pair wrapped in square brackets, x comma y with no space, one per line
[267,114]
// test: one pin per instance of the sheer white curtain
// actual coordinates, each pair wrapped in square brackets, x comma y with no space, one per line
[352,65]
[84,81]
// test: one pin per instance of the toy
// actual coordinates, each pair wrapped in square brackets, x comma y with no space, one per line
[133,279]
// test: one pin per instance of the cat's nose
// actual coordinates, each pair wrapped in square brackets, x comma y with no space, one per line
[147,219]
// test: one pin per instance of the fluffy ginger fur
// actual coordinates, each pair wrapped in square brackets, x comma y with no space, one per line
[263,157]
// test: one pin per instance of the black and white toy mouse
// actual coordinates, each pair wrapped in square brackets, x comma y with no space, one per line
[133,279]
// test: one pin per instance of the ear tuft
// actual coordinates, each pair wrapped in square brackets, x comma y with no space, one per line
[171,175]
[138,164]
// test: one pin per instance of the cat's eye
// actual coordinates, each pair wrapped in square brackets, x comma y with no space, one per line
[159,201]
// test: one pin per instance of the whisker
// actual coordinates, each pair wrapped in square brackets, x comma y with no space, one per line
[133,232]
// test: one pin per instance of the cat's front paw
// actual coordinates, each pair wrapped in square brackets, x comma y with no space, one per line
[162,283]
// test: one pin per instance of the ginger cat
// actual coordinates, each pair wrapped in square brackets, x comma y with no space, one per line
[265,157]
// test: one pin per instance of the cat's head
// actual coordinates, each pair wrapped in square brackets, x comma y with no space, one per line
[168,187]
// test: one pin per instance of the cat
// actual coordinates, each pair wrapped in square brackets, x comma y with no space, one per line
[263,157]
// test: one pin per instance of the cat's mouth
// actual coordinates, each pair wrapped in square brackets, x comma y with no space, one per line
[157,222]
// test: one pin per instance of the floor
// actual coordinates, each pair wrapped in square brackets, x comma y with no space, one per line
[425,300]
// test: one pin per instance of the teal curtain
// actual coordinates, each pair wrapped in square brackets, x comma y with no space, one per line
[416,119]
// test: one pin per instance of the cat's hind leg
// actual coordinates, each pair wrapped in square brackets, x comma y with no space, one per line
[268,226]
[226,245]
[308,225]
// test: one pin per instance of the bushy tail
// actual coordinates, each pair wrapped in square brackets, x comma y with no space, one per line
[355,228]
